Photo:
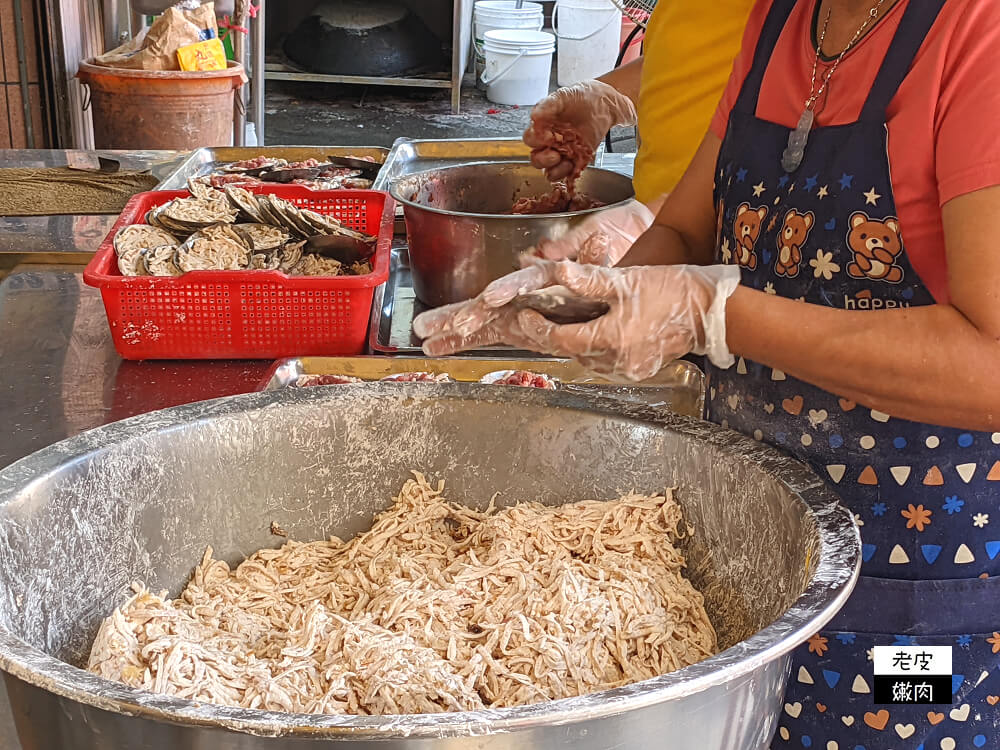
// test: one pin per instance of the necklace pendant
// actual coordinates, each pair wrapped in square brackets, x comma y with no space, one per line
[792,157]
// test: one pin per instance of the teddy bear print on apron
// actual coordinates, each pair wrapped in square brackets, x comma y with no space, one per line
[924,495]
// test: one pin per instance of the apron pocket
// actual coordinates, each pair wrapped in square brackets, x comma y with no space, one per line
[900,607]
[829,700]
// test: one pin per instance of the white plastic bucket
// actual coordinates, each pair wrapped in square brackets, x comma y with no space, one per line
[494,15]
[518,65]
[589,33]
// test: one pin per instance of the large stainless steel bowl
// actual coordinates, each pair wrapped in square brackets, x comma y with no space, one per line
[773,551]
[461,233]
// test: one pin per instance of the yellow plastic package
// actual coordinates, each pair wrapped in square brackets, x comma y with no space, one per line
[207,55]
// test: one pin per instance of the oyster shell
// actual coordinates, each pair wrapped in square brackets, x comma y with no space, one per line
[200,187]
[317,265]
[197,212]
[268,215]
[130,262]
[289,256]
[243,200]
[142,236]
[159,261]
[262,237]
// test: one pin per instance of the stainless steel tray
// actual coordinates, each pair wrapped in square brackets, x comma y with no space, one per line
[394,307]
[204,160]
[679,387]
[409,155]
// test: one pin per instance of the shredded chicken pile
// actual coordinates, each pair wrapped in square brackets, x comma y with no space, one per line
[437,608]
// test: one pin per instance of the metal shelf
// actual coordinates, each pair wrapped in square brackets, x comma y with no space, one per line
[278,72]
[262,70]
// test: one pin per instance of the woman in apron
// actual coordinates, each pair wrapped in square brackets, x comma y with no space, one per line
[830,336]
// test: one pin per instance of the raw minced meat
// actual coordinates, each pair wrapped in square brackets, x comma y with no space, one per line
[558,201]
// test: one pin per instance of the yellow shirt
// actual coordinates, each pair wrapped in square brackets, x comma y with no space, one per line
[687,57]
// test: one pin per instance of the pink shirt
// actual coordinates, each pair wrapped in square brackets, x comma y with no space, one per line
[943,123]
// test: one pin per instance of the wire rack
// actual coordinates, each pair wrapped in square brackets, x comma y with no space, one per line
[638,11]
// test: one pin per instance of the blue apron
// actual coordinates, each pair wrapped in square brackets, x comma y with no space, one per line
[924,495]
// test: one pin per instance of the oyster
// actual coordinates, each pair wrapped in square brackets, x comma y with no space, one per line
[418,377]
[259,162]
[265,261]
[305,381]
[521,378]
[201,187]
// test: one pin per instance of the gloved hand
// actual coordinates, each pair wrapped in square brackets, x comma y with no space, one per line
[483,326]
[657,314]
[602,238]
[588,110]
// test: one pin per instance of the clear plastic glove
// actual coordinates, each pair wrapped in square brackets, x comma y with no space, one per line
[481,327]
[586,111]
[602,238]
[657,314]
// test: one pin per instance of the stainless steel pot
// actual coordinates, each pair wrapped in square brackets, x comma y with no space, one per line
[461,233]
[773,551]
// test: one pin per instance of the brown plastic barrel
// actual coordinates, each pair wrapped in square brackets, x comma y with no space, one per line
[161,109]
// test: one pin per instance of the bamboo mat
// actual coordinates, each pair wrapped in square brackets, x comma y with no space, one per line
[61,190]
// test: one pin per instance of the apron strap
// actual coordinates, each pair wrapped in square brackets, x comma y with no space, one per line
[773,26]
[918,18]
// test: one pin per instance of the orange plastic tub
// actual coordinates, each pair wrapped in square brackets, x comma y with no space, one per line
[161,109]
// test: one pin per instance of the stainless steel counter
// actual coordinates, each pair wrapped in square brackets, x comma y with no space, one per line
[77,235]
[61,374]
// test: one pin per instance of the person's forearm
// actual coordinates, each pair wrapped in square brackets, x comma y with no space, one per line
[660,245]
[685,226]
[927,364]
[626,79]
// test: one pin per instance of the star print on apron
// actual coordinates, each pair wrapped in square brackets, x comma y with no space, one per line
[924,495]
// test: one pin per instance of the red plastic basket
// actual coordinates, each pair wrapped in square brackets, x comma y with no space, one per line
[245,314]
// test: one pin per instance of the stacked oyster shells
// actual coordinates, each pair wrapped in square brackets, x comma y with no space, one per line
[231,230]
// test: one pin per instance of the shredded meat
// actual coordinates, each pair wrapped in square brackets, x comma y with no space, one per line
[437,608]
